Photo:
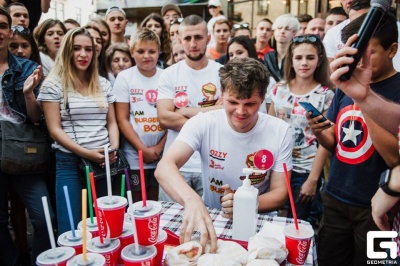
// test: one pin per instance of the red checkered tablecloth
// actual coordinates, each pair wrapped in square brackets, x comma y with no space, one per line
[171,219]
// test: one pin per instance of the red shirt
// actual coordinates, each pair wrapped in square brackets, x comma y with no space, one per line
[261,53]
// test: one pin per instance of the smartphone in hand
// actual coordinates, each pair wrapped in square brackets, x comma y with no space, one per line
[311,108]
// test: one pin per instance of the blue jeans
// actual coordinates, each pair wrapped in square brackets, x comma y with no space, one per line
[67,174]
[30,188]
[303,209]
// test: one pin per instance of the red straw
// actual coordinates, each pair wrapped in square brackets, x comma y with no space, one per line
[291,197]
[96,209]
[142,182]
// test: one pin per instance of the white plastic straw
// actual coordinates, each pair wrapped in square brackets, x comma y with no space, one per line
[48,222]
[135,236]
[107,159]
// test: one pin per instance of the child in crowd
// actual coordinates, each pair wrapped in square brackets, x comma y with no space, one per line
[361,150]
[136,91]
[49,35]
[78,105]
[306,79]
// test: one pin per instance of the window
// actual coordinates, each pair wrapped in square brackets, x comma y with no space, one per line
[56,10]
[263,6]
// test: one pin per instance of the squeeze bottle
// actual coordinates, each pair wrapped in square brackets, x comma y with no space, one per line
[245,206]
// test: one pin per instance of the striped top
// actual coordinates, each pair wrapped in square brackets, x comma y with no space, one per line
[82,119]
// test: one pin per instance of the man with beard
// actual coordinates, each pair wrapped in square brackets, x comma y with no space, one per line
[187,88]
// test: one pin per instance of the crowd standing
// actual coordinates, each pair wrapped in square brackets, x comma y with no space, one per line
[183,91]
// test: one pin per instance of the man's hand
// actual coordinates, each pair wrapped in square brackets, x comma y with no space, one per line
[381,203]
[357,86]
[227,202]
[317,127]
[308,191]
[33,80]
[196,216]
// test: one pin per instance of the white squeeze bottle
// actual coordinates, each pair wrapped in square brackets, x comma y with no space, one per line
[245,206]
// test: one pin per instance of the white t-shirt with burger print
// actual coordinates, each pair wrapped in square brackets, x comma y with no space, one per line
[225,152]
[189,88]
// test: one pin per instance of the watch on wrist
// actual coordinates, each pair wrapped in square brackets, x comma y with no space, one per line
[384,183]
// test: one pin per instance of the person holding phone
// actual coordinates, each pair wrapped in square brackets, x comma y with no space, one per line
[306,80]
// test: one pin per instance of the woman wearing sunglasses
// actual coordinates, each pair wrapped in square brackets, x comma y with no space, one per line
[306,79]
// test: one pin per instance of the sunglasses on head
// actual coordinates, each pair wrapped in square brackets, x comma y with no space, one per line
[241,26]
[176,21]
[305,38]
[21,29]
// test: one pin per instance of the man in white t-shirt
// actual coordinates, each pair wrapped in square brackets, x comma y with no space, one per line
[229,140]
[187,88]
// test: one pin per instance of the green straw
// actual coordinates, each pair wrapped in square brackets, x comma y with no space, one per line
[89,194]
[122,185]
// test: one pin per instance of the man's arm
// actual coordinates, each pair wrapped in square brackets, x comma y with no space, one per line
[45,5]
[32,107]
[357,88]
[384,142]
[381,203]
[278,194]
[189,112]
[168,118]
[195,214]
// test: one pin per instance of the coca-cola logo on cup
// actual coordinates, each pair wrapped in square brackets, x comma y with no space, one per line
[302,248]
[108,259]
[153,226]
[103,225]
[145,263]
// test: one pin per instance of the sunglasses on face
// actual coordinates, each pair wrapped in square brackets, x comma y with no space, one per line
[212,7]
[176,21]
[305,38]
[241,26]
[21,29]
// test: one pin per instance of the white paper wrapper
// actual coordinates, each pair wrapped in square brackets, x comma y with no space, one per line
[261,247]
[260,262]
[216,260]
[232,250]
[185,254]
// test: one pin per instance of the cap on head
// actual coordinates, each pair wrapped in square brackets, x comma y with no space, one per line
[216,3]
[115,8]
[168,7]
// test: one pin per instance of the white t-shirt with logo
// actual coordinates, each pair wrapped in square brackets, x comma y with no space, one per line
[333,39]
[190,88]
[141,94]
[225,152]
[83,120]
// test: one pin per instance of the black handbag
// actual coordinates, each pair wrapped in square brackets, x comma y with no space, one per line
[99,172]
[24,149]
[116,168]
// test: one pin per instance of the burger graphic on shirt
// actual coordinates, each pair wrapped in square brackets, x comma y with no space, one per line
[209,91]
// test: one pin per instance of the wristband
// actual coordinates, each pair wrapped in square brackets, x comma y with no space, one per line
[384,184]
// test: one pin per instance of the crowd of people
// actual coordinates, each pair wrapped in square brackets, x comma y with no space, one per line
[200,100]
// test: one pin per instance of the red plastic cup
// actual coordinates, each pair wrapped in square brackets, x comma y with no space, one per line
[57,256]
[111,212]
[67,240]
[91,227]
[162,237]
[298,242]
[92,259]
[145,257]
[126,239]
[109,249]
[147,221]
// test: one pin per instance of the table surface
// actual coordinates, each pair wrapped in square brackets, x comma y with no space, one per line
[171,219]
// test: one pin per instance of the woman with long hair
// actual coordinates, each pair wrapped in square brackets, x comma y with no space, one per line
[241,47]
[306,79]
[155,23]
[48,36]
[78,105]
[105,31]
